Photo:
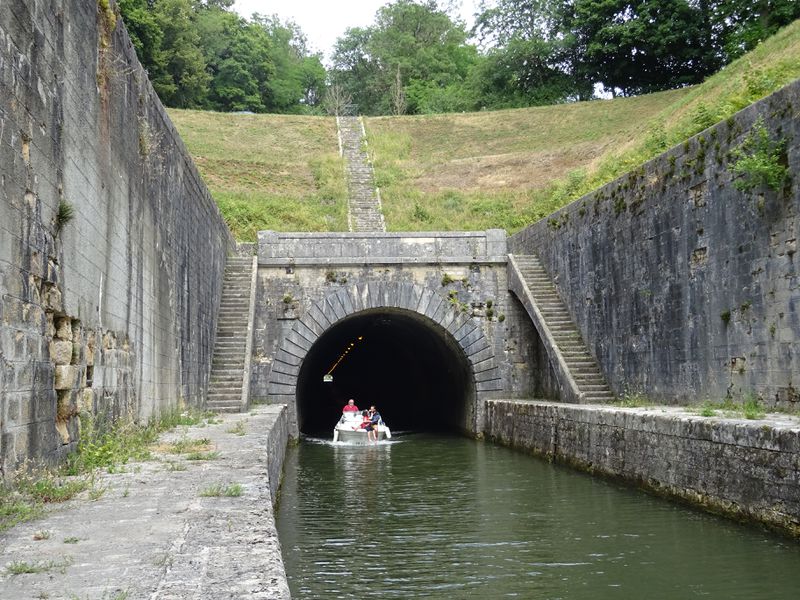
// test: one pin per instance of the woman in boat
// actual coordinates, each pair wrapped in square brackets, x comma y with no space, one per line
[365,422]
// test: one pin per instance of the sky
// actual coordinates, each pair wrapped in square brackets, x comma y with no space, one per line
[323,21]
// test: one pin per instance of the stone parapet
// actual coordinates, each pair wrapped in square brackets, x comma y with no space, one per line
[347,249]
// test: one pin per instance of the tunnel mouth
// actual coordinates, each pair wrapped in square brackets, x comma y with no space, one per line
[405,364]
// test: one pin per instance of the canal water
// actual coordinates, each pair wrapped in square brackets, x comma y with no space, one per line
[447,517]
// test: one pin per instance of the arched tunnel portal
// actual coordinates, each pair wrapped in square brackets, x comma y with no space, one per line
[405,363]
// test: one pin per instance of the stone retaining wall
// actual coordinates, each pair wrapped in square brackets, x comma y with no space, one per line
[683,286]
[749,470]
[113,310]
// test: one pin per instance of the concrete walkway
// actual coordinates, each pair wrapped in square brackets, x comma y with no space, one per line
[152,535]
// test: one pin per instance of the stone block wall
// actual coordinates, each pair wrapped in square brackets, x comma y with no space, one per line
[464,269]
[743,469]
[684,287]
[111,249]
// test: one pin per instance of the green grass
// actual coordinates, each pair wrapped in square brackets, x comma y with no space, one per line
[750,408]
[510,168]
[278,172]
[469,171]
[102,446]
[202,456]
[19,567]
[216,490]
[238,429]
[633,400]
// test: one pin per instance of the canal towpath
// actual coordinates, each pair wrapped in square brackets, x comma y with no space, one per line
[168,528]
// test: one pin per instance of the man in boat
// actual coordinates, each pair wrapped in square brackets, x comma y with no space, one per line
[374,421]
[350,407]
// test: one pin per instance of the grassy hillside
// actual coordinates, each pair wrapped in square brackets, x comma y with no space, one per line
[510,168]
[463,171]
[278,172]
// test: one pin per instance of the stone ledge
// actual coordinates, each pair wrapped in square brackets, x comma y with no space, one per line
[152,535]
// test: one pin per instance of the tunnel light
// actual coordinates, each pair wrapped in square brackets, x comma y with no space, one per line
[347,349]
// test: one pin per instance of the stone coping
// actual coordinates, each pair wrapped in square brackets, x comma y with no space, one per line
[776,421]
[379,248]
[152,535]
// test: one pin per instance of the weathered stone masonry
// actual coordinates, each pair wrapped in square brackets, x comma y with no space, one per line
[309,282]
[684,287]
[113,311]
[738,468]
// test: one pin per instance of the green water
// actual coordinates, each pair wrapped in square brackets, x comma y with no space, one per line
[432,517]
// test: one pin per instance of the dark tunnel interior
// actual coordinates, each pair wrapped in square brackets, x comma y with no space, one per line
[406,365]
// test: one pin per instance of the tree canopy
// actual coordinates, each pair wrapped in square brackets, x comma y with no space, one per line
[419,57]
[200,54]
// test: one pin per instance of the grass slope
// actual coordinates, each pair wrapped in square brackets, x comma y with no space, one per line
[462,171]
[510,168]
[277,172]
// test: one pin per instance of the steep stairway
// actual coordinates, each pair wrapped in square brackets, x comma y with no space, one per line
[227,390]
[364,204]
[579,375]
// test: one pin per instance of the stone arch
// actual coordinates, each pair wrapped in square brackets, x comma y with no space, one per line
[464,332]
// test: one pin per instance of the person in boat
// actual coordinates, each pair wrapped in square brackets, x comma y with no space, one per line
[350,407]
[374,420]
[365,422]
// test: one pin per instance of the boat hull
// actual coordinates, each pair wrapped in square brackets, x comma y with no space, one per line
[346,435]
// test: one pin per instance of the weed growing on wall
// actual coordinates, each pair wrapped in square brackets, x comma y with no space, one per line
[759,160]
[64,214]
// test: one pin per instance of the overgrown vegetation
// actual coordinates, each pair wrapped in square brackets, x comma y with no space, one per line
[102,446]
[216,490]
[64,214]
[759,160]
[750,407]
[467,171]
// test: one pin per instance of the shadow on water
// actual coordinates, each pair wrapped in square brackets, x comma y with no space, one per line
[427,516]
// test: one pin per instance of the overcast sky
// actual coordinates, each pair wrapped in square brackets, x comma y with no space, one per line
[324,21]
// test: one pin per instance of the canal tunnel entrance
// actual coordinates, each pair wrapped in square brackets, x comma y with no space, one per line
[405,364]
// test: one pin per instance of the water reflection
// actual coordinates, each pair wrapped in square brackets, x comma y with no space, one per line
[428,517]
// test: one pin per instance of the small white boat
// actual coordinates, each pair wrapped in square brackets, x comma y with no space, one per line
[349,431]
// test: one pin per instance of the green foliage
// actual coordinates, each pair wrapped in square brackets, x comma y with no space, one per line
[64,214]
[216,490]
[725,315]
[417,43]
[106,445]
[633,400]
[759,160]
[202,54]
[752,408]
[19,567]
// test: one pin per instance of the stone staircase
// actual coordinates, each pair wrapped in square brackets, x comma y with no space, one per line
[229,385]
[580,377]
[364,204]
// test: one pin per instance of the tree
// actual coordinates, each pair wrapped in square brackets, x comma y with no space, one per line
[639,46]
[739,25]
[185,84]
[531,57]
[419,39]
